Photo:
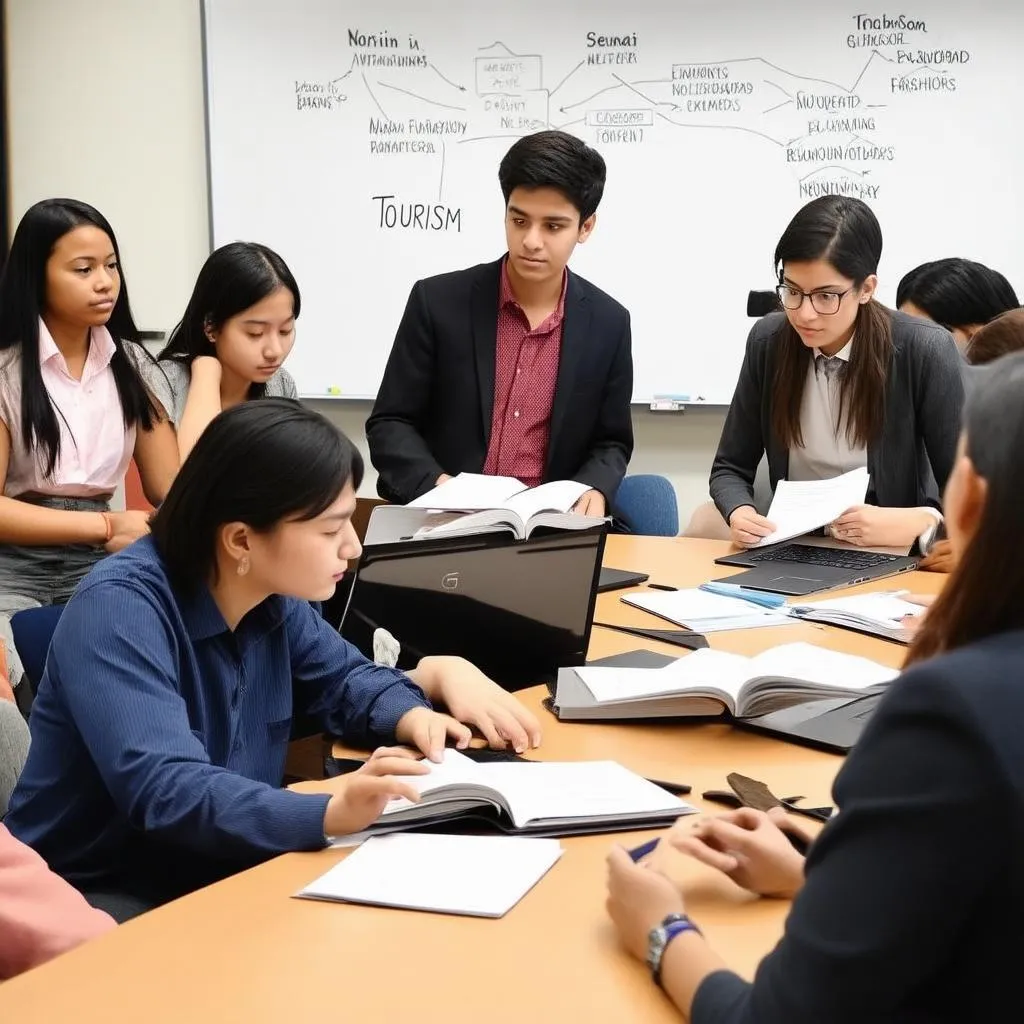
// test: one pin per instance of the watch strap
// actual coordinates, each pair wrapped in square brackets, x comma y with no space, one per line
[672,926]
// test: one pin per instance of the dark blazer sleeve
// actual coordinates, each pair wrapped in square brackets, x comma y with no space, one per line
[742,443]
[938,397]
[878,918]
[398,451]
[612,443]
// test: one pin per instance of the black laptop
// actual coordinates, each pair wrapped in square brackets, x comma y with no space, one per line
[519,610]
[832,725]
[796,569]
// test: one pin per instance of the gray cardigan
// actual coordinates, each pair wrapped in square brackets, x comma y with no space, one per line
[924,398]
[171,387]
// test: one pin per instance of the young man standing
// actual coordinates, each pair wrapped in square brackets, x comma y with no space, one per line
[516,368]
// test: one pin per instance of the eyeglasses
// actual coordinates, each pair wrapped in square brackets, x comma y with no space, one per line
[825,303]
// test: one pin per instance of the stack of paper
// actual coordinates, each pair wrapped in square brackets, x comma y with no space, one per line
[481,876]
[800,506]
[704,612]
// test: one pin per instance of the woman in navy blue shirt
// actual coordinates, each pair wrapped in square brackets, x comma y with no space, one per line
[161,724]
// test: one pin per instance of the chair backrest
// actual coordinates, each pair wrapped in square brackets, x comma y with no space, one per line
[361,516]
[647,504]
[33,629]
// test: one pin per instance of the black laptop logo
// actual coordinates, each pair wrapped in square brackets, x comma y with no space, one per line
[450,581]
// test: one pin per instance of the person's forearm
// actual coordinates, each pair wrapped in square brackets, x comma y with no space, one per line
[201,407]
[35,525]
[427,677]
[686,963]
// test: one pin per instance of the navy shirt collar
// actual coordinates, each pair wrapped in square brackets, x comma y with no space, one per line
[204,620]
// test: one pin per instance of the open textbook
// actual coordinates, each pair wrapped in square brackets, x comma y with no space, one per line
[471,503]
[481,876]
[538,798]
[881,614]
[709,681]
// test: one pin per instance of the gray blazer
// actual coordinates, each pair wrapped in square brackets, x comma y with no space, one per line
[924,398]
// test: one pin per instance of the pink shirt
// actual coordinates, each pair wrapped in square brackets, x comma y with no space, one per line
[95,445]
[40,914]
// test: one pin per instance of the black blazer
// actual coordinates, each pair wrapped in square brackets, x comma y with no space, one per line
[914,895]
[924,398]
[433,410]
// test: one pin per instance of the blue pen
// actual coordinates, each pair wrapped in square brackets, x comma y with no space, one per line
[640,852]
[753,596]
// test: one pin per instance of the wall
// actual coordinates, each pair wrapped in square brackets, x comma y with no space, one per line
[105,104]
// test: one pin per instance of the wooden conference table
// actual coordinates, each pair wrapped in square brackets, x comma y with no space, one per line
[242,950]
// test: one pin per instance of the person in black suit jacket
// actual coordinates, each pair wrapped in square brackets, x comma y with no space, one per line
[519,367]
[838,382]
[913,892]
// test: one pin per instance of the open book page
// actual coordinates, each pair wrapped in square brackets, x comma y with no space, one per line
[547,505]
[455,770]
[482,876]
[705,612]
[564,791]
[798,507]
[556,496]
[469,492]
[820,666]
[704,672]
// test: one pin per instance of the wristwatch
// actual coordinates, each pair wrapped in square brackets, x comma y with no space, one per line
[658,939]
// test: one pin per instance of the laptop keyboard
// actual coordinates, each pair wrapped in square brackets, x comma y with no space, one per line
[834,557]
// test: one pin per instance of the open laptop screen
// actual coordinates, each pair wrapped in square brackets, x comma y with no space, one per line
[519,611]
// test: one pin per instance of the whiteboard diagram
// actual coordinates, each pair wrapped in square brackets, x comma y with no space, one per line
[363,141]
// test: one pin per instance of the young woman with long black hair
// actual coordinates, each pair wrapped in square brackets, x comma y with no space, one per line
[233,339]
[837,382]
[76,405]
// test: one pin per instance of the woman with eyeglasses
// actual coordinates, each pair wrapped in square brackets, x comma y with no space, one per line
[836,382]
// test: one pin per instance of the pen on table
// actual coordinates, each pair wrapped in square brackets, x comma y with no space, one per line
[638,853]
[675,788]
[661,586]
[758,597]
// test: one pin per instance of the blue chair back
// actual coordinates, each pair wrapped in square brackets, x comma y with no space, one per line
[33,629]
[646,504]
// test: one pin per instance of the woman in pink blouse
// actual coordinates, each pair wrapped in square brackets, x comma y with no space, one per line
[76,405]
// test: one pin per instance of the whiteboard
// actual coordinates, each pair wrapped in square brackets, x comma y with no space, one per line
[362,141]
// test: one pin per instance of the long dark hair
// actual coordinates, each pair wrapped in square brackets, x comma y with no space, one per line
[258,463]
[845,233]
[233,278]
[22,303]
[985,593]
[956,292]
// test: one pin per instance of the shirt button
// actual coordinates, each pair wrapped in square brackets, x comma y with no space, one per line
[518,370]
[516,414]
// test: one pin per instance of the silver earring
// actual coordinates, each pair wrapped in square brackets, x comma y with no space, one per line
[243,567]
